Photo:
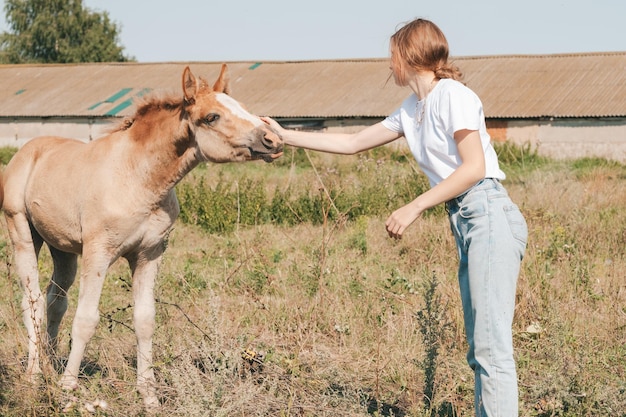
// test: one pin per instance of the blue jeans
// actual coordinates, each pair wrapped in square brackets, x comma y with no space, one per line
[491,235]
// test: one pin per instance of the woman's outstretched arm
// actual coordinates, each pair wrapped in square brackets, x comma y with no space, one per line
[339,143]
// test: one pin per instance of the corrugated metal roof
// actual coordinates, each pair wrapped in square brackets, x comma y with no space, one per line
[529,86]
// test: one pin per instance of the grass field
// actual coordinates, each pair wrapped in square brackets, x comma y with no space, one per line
[281,295]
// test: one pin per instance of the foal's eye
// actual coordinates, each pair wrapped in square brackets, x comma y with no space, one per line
[211,118]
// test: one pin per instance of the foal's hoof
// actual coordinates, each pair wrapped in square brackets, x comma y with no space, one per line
[147,391]
[151,402]
[34,378]
[69,383]
[33,374]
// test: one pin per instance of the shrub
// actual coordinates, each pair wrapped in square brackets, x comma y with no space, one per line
[6,153]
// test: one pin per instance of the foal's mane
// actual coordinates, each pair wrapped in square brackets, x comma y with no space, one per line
[149,104]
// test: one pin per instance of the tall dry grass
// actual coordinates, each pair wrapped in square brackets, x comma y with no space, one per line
[336,319]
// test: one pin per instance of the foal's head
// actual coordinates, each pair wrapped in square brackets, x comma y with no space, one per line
[224,131]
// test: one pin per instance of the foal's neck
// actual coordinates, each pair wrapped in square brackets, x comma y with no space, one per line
[164,152]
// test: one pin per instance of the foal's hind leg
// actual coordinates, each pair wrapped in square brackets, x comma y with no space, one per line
[63,275]
[26,246]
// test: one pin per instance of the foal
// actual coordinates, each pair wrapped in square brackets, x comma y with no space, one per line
[111,198]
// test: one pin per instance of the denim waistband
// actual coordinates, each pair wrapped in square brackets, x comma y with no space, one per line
[482,184]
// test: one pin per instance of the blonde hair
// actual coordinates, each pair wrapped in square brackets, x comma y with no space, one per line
[422,46]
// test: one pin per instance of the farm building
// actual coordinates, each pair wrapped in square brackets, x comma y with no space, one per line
[567,105]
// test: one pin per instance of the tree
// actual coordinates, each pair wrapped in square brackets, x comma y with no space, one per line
[58,31]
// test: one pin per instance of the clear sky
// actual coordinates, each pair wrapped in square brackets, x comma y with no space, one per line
[264,30]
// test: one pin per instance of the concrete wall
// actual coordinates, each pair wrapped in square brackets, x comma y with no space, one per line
[16,132]
[558,138]
[572,138]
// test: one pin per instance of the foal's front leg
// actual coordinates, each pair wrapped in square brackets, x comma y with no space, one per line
[87,315]
[145,270]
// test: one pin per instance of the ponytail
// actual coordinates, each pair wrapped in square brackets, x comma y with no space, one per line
[448,70]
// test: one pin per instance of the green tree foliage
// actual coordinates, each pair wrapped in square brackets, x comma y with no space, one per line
[58,31]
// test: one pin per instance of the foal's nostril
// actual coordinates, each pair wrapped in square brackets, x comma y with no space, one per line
[270,139]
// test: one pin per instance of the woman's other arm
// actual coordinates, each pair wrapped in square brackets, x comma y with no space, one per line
[471,170]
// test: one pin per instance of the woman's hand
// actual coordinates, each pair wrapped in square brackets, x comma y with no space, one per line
[402,218]
[274,125]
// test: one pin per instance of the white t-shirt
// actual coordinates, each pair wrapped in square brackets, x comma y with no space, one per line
[429,127]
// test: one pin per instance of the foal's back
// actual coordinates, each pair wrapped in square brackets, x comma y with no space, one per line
[56,182]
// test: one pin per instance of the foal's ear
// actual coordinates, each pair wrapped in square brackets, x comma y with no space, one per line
[190,86]
[222,85]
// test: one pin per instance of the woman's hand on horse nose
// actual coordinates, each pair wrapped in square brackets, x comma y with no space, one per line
[273,125]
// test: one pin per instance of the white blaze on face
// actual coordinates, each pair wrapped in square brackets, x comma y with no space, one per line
[236,109]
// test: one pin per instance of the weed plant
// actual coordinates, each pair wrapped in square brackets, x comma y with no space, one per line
[281,295]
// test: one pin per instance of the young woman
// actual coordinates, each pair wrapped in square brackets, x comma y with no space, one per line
[444,125]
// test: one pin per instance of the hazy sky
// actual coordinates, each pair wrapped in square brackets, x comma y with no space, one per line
[256,30]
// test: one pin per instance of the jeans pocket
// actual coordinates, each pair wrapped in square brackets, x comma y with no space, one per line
[473,208]
[517,223]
